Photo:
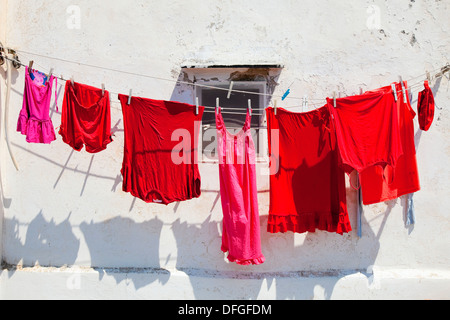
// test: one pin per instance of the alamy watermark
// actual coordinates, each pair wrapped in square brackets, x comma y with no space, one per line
[73,21]
[74,282]
[373,21]
[234,151]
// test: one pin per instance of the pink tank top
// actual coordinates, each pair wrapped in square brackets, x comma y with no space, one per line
[237,172]
[34,119]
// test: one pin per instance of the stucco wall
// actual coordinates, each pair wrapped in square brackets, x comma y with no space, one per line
[3,11]
[66,208]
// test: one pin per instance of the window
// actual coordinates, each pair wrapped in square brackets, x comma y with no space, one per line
[234,111]
[256,82]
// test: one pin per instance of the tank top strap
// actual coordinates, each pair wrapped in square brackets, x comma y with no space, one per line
[221,136]
[220,126]
[248,122]
[28,78]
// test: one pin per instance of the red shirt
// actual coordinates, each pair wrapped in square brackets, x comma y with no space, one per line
[160,150]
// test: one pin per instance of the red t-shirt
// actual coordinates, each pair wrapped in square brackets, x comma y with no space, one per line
[160,150]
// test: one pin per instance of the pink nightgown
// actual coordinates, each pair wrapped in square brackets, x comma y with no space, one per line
[237,172]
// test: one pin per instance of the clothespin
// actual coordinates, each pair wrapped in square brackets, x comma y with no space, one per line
[334,99]
[275,106]
[2,58]
[428,76]
[71,80]
[48,79]
[250,106]
[30,66]
[217,104]
[229,89]
[286,94]
[304,102]
[30,69]
[103,89]
[444,69]
[129,97]
[196,106]
[360,91]
[394,91]
[403,89]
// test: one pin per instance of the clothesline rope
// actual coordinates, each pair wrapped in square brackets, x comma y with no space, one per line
[154,77]
[314,105]
[190,83]
[410,87]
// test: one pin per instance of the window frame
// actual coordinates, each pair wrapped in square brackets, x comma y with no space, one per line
[262,155]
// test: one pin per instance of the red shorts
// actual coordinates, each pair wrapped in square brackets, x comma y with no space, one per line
[160,151]
[85,118]
[382,185]
[367,130]
[307,187]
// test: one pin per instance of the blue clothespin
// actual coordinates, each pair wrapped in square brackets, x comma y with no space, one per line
[286,94]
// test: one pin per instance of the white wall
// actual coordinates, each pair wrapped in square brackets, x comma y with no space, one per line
[67,208]
[3,12]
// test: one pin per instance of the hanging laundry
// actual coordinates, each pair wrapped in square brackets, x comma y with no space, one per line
[238,192]
[85,118]
[367,130]
[156,166]
[34,118]
[380,185]
[425,107]
[307,187]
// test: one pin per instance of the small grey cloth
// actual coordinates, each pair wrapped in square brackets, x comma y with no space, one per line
[410,214]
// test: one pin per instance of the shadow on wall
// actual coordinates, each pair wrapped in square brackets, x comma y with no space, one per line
[42,243]
[247,282]
[118,241]
[114,242]
[2,196]
[5,202]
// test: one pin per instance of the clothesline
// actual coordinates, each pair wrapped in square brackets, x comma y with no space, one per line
[203,85]
[314,104]
[156,78]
